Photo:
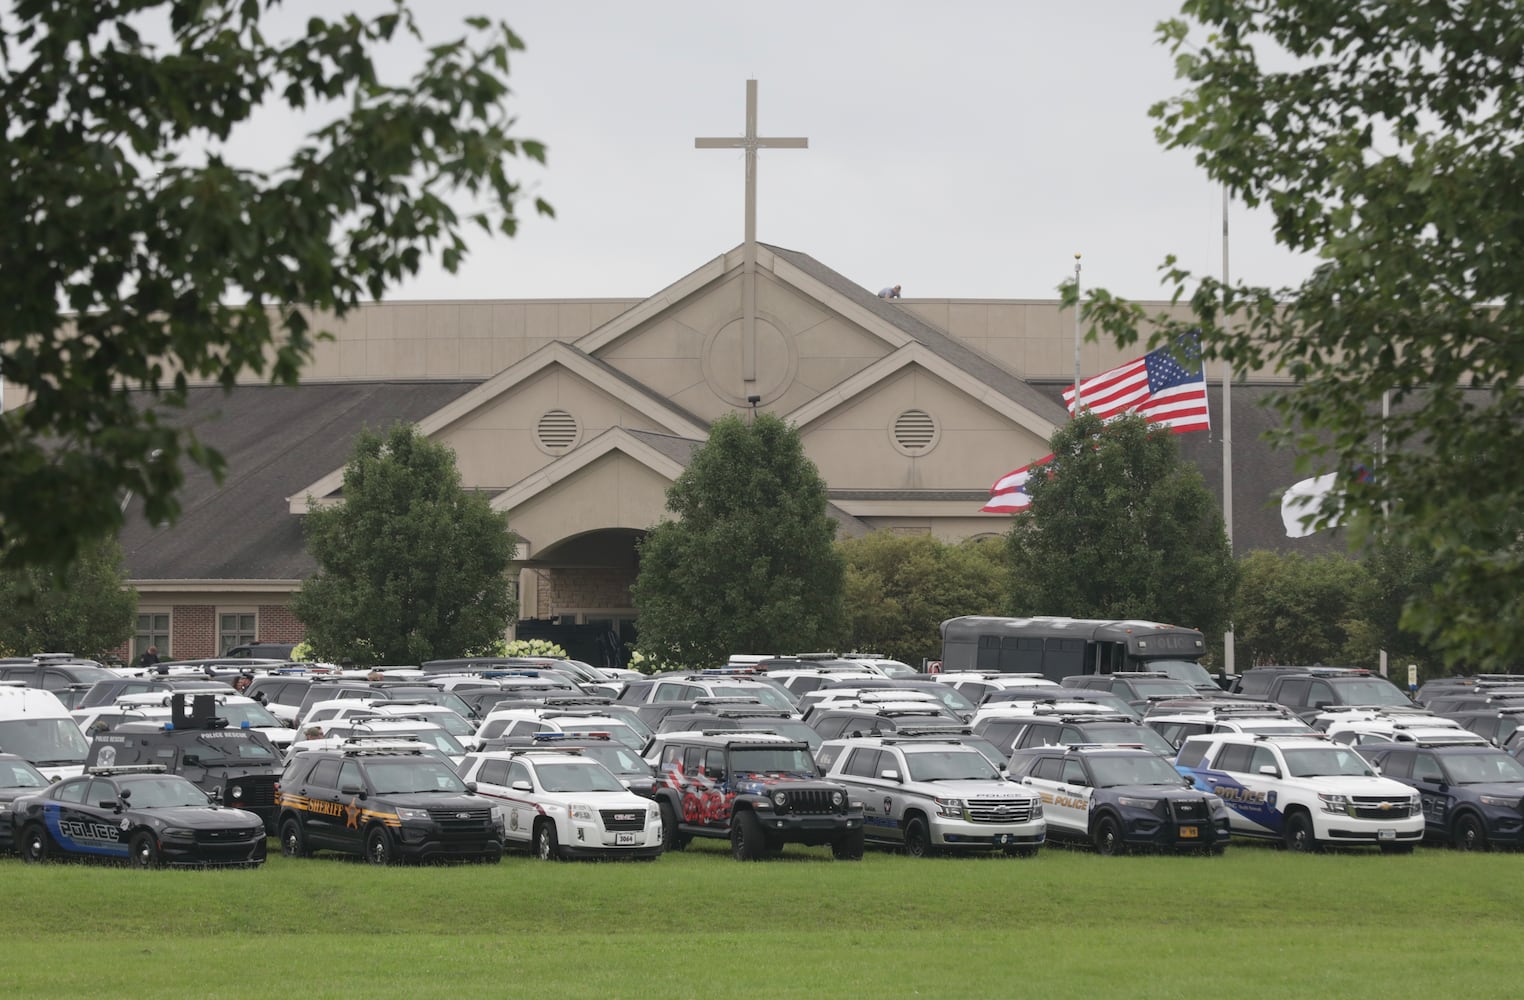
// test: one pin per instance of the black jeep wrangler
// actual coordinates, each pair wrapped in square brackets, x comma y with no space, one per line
[240,766]
[758,790]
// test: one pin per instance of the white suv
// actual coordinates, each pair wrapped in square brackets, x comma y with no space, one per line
[1307,791]
[929,794]
[560,804]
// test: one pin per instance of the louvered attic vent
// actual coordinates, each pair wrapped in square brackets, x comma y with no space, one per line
[557,431]
[915,431]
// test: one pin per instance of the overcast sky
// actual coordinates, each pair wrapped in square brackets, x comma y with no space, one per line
[964,150]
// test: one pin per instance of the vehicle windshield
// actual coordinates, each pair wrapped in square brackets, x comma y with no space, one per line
[767,760]
[949,696]
[619,759]
[20,774]
[1161,687]
[586,776]
[256,715]
[1482,768]
[1368,691]
[1128,732]
[765,693]
[44,742]
[167,792]
[450,722]
[990,751]
[1325,762]
[1189,671]
[236,747]
[413,776]
[794,730]
[436,738]
[1133,769]
[950,765]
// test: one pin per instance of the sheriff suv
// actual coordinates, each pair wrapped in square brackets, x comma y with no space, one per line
[1305,790]
[758,790]
[930,794]
[383,805]
[1118,798]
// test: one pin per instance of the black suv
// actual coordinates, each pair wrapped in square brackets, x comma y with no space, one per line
[1118,798]
[69,679]
[1138,687]
[106,692]
[384,805]
[1105,729]
[759,791]
[1471,794]
[238,765]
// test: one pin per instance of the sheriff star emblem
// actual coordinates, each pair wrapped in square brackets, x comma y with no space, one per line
[352,814]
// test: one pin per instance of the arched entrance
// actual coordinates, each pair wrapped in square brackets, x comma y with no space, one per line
[576,593]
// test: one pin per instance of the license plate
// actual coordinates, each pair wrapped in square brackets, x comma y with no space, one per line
[1386,834]
[1188,833]
[624,840]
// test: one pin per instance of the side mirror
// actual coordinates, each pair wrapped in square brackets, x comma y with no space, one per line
[352,790]
[889,774]
[112,804]
[215,795]
[1321,704]
[522,786]
[1190,779]
[1270,769]
[470,788]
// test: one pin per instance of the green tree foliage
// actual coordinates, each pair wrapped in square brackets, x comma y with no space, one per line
[1301,610]
[900,588]
[747,565]
[84,608]
[1399,576]
[130,236]
[1384,140]
[411,567]
[1121,528]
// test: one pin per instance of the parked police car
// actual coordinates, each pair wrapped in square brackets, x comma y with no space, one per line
[17,778]
[1307,791]
[560,804]
[928,795]
[1119,798]
[1473,796]
[145,817]
[383,805]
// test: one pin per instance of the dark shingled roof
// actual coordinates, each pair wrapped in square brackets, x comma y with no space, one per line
[956,352]
[277,441]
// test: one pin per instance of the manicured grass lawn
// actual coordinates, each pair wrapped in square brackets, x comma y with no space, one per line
[1255,923]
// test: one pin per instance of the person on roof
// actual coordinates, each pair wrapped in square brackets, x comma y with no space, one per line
[892,292]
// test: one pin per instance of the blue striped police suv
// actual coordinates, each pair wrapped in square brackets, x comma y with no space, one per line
[1305,790]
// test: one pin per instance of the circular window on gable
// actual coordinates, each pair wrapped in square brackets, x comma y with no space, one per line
[915,432]
[557,432]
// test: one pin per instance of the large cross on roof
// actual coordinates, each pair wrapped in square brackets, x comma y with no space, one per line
[750,142]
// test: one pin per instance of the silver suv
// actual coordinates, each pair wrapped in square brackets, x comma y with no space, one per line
[928,794]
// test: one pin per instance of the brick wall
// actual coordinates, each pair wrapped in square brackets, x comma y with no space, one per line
[278,624]
[192,631]
[564,589]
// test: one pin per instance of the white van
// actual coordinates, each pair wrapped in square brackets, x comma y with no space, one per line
[35,726]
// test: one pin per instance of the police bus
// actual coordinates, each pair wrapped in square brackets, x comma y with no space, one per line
[1063,647]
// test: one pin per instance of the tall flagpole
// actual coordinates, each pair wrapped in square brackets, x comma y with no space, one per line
[1076,335]
[1227,442]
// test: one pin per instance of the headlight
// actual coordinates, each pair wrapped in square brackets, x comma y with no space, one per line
[1037,809]
[780,799]
[178,832]
[653,813]
[412,814]
[5,807]
[1487,800]
[580,811]
[1132,802]
[1334,803]
[236,791]
[949,807]
[837,798]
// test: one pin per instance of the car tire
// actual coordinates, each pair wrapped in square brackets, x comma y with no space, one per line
[1469,833]
[848,847]
[142,851]
[747,842]
[1300,837]
[1396,848]
[1108,837]
[671,838]
[917,838]
[293,840]
[35,845]
[378,847]
[545,846]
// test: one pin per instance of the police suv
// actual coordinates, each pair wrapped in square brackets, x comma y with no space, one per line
[929,794]
[1473,796]
[1118,798]
[1305,790]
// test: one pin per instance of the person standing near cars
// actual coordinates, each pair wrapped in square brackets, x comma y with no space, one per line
[149,658]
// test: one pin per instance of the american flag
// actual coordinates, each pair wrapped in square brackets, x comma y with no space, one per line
[1155,385]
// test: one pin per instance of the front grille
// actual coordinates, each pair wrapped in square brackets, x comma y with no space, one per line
[623,819]
[258,792]
[809,800]
[1366,807]
[228,836]
[461,822]
[1189,809]
[999,810]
